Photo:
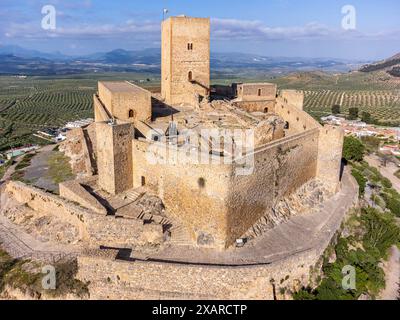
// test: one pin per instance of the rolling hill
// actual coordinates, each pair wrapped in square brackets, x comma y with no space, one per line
[391,66]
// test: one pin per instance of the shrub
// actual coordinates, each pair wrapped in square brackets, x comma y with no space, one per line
[361,180]
[353,149]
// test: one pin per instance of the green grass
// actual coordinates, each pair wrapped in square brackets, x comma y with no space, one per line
[26,276]
[4,168]
[19,173]
[59,168]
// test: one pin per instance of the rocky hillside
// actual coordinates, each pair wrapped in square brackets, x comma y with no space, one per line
[391,66]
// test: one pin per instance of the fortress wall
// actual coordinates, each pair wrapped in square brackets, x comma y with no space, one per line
[166,60]
[110,279]
[280,168]
[293,97]
[73,191]
[95,228]
[194,193]
[257,91]
[105,97]
[299,121]
[100,113]
[330,155]
[48,203]
[256,106]
[120,102]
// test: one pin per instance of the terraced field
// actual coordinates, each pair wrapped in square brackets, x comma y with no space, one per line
[28,105]
[383,105]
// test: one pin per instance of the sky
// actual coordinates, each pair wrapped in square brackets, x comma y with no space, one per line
[277,28]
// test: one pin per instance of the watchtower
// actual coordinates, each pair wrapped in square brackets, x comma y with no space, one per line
[185,60]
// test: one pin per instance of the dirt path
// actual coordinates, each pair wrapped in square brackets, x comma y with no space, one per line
[392,276]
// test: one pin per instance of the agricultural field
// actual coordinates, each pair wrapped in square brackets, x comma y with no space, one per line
[36,103]
[376,93]
[39,102]
[383,105]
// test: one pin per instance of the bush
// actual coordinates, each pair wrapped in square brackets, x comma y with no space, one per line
[336,109]
[353,113]
[361,180]
[353,149]
[378,233]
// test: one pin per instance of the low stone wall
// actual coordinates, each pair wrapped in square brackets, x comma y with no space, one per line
[266,106]
[94,228]
[153,280]
[114,279]
[73,191]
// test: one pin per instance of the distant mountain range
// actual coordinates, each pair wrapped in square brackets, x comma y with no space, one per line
[17,60]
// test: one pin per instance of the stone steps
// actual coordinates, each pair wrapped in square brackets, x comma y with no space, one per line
[134,195]
[180,236]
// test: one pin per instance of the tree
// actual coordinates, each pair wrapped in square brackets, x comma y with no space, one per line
[336,109]
[366,117]
[353,149]
[353,113]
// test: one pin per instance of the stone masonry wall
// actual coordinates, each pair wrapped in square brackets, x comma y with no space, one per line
[297,120]
[256,106]
[178,60]
[151,280]
[111,279]
[193,193]
[294,97]
[330,151]
[280,168]
[94,228]
[114,156]
[257,91]
[74,191]
[120,101]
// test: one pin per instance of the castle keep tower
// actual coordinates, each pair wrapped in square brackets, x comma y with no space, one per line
[185,51]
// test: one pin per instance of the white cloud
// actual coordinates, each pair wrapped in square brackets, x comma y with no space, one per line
[222,29]
[230,29]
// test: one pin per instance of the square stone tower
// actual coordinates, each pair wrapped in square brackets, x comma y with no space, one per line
[185,61]
[124,101]
[114,156]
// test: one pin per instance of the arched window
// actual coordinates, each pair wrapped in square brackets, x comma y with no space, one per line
[131,114]
[265,110]
[190,76]
[287,125]
[259,92]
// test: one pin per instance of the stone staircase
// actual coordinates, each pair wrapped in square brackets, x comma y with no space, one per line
[180,236]
[134,195]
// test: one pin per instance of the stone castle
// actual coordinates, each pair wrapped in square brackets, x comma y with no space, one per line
[214,203]
[217,192]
